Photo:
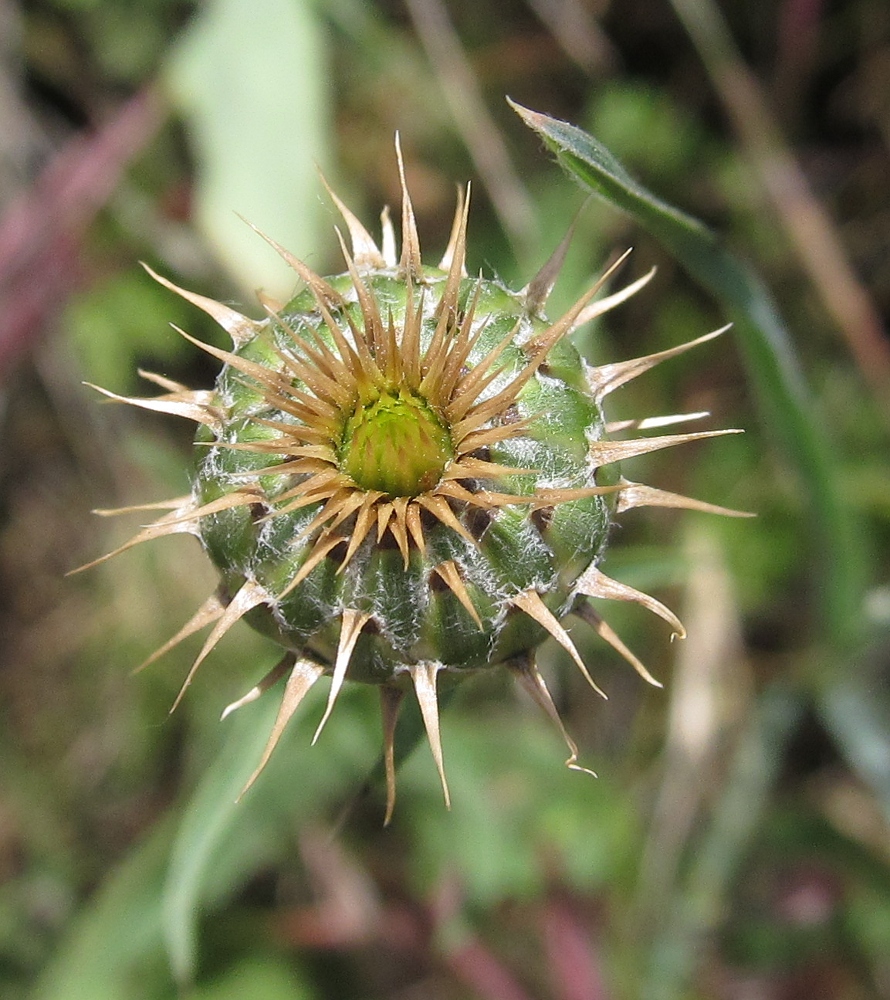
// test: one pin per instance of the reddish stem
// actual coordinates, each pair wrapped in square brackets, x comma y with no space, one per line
[42,230]
[478,968]
[575,970]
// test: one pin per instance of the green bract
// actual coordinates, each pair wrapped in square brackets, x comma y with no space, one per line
[405,471]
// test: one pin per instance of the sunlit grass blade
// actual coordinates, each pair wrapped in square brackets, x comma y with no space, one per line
[211,819]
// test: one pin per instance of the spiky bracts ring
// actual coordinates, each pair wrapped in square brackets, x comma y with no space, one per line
[404,472]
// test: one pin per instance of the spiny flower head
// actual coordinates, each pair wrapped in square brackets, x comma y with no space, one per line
[405,472]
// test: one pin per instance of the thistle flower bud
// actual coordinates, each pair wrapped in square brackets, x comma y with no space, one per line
[406,471]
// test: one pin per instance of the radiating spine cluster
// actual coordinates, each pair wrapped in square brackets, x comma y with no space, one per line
[404,470]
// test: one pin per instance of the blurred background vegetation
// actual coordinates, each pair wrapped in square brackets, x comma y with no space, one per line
[737,842]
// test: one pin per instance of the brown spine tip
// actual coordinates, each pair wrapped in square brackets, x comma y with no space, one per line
[352,624]
[607,378]
[391,699]
[606,452]
[181,520]
[304,674]
[639,495]
[210,611]
[600,306]
[240,328]
[365,251]
[538,290]
[449,572]
[271,678]
[424,677]
[540,345]
[455,254]
[594,583]
[249,596]
[411,261]
[530,678]
[177,503]
[607,633]
[530,602]
[313,280]
[191,405]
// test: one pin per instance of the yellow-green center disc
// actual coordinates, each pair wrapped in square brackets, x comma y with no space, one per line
[396,444]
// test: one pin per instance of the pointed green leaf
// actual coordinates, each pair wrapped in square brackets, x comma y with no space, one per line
[787,409]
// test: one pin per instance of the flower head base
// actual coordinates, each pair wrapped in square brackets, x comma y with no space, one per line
[404,471]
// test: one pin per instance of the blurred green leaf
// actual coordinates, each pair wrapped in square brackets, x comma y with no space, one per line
[716,860]
[787,410]
[518,815]
[212,816]
[115,326]
[221,842]
[857,713]
[643,121]
[868,920]
[256,978]
[117,933]
[187,868]
[250,81]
